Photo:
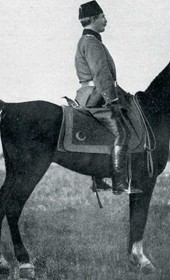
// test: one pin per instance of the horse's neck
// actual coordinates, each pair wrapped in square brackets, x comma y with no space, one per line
[154,103]
[156,118]
[157,96]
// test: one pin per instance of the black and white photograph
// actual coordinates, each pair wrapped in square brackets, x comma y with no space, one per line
[85,130]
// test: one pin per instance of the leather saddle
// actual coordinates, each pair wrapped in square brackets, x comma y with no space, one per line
[81,132]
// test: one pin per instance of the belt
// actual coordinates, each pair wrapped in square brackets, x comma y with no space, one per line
[89,83]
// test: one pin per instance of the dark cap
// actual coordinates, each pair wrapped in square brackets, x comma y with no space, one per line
[89,9]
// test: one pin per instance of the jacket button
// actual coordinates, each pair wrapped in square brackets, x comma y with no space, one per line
[104,93]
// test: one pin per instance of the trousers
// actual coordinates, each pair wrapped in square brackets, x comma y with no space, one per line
[117,125]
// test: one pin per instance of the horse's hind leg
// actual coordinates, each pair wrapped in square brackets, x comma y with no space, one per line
[24,185]
[4,267]
[4,196]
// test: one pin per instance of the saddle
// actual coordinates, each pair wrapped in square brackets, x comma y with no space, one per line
[83,133]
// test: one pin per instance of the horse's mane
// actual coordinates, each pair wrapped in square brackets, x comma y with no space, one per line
[157,96]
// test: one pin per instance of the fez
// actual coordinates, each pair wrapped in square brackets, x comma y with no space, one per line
[89,9]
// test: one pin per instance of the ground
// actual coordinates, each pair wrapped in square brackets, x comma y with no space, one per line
[69,237]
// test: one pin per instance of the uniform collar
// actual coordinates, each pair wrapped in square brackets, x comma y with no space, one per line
[92,32]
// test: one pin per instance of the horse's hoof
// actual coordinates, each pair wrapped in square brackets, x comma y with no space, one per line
[146,267]
[27,271]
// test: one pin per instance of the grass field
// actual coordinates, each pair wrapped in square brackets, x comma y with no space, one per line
[69,237]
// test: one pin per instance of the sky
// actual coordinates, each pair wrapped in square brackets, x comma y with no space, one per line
[38,40]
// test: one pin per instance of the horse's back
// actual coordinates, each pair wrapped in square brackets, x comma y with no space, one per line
[28,124]
[32,109]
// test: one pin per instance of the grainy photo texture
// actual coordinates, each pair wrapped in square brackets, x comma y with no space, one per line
[85,129]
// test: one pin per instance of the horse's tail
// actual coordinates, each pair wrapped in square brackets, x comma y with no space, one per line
[2,103]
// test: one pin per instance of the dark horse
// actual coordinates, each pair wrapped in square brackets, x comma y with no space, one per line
[30,131]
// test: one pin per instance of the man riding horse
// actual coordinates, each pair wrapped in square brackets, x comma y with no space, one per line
[97,75]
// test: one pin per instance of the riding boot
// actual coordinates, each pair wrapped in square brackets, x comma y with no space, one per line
[117,125]
[119,179]
[119,162]
[100,184]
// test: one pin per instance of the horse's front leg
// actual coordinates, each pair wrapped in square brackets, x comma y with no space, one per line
[139,206]
[138,259]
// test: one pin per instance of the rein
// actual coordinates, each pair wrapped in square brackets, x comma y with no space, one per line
[148,142]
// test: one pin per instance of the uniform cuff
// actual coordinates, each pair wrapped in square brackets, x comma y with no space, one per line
[114,101]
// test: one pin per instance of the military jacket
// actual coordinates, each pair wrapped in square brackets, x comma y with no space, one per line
[93,62]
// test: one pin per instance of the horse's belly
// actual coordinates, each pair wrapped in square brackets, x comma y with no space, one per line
[88,164]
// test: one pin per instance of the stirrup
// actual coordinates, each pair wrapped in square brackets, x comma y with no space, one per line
[132,190]
[129,190]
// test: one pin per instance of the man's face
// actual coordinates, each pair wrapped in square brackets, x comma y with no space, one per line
[99,23]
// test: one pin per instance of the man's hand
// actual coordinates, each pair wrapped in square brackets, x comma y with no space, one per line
[116,109]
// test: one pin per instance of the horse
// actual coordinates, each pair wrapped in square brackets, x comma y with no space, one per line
[29,133]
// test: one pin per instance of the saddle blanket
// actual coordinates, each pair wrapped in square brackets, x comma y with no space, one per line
[81,132]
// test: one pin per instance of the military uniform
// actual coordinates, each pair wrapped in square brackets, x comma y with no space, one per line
[96,72]
[97,75]
[94,63]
